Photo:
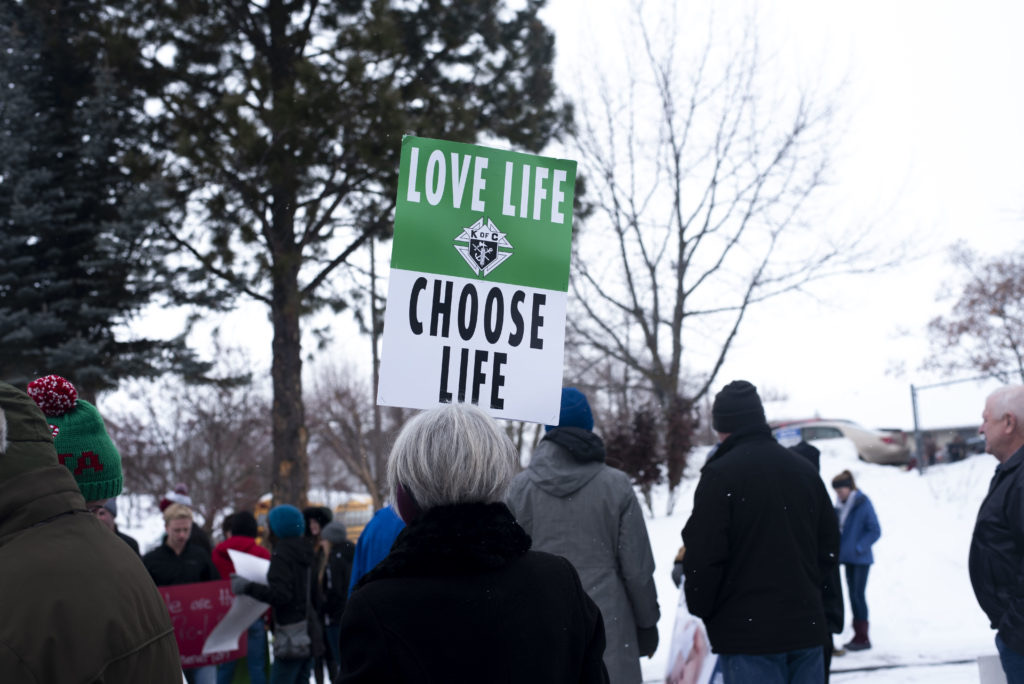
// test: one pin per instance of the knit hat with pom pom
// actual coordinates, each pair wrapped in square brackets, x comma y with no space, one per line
[80,437]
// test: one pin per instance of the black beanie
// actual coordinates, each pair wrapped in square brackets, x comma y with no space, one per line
[243,524]
[737,406]
[321,514]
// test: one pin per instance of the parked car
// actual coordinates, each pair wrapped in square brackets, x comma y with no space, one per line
[976,444]
[873,446]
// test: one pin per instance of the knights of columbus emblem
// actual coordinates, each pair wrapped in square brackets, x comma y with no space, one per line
[480,249]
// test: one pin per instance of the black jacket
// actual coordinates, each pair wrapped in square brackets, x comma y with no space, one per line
[291,563]
[761,545]
[460,598]
[336,579]
[129,540]
[193,565]
[996,560]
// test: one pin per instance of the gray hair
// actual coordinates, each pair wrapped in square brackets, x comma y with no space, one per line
[1009,399]
[452,454]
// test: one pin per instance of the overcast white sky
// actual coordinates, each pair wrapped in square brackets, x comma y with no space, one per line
[934,147]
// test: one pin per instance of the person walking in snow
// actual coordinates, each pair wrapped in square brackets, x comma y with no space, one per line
[997,546]
[859,530]
[575,506]
[461,598]
[76,603]
[761,545]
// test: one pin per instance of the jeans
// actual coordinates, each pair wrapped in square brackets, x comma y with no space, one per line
[1013,662]
[333,635]
[291,671]
[207,674]
[804,666]
[256,645]
[857,583]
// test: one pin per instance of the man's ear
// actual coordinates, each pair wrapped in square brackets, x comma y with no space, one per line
[1013,424]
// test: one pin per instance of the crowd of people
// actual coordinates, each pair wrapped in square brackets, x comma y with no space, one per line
[477,571]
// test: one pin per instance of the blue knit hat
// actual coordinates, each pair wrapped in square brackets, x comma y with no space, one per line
[286,521]
[575,411]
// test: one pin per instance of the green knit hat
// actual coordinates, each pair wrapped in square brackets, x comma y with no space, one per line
[80,437]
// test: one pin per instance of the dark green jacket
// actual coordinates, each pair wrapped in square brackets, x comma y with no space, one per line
[76,604]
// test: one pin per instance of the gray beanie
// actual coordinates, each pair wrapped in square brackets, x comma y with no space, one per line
[334,532]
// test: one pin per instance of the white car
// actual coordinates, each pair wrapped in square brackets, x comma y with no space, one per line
[873,446]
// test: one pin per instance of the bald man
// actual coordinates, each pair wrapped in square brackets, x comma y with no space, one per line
[997,547]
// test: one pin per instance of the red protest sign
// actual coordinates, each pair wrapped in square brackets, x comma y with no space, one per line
[195,610]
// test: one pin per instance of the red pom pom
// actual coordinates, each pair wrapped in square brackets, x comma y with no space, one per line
[53,394]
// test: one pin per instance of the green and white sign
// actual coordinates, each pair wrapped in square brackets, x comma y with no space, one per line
[479,280]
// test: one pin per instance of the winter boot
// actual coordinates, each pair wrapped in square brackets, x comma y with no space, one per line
[860,641]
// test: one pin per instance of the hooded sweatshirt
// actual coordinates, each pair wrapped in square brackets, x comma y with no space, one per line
[574,505]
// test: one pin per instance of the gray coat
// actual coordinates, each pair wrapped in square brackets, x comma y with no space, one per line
[573,505]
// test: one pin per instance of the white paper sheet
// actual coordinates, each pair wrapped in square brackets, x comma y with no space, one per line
[252,568]
[244,609]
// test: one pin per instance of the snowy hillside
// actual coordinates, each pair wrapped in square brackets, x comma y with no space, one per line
[922,608]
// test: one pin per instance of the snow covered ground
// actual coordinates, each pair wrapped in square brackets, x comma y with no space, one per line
[923,615]
[922,608]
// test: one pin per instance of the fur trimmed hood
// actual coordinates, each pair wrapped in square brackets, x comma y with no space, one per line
[462,539]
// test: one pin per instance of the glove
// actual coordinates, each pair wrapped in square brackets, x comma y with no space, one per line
[239,584]
[677,573]
[647,639]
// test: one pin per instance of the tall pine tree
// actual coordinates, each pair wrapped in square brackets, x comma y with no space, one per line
[78,205]
[282,123]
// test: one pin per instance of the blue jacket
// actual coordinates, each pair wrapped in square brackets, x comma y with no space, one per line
[860,531]
[375,543]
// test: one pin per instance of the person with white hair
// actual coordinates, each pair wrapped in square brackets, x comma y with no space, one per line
[461,597]
[997,545]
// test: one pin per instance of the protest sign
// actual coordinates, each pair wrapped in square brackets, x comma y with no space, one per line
[195,610]
[690,660]
[479,280]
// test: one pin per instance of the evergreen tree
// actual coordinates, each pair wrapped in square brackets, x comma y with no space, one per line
[282,123]
[77,204]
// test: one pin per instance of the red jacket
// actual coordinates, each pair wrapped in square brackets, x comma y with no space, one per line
[239,543]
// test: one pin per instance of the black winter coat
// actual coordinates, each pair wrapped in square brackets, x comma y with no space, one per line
[336,579]
[460,598]
[761,545]
[291,563]
[167,568]
[996,560]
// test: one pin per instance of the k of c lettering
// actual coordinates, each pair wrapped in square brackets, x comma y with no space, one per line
[87,460]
